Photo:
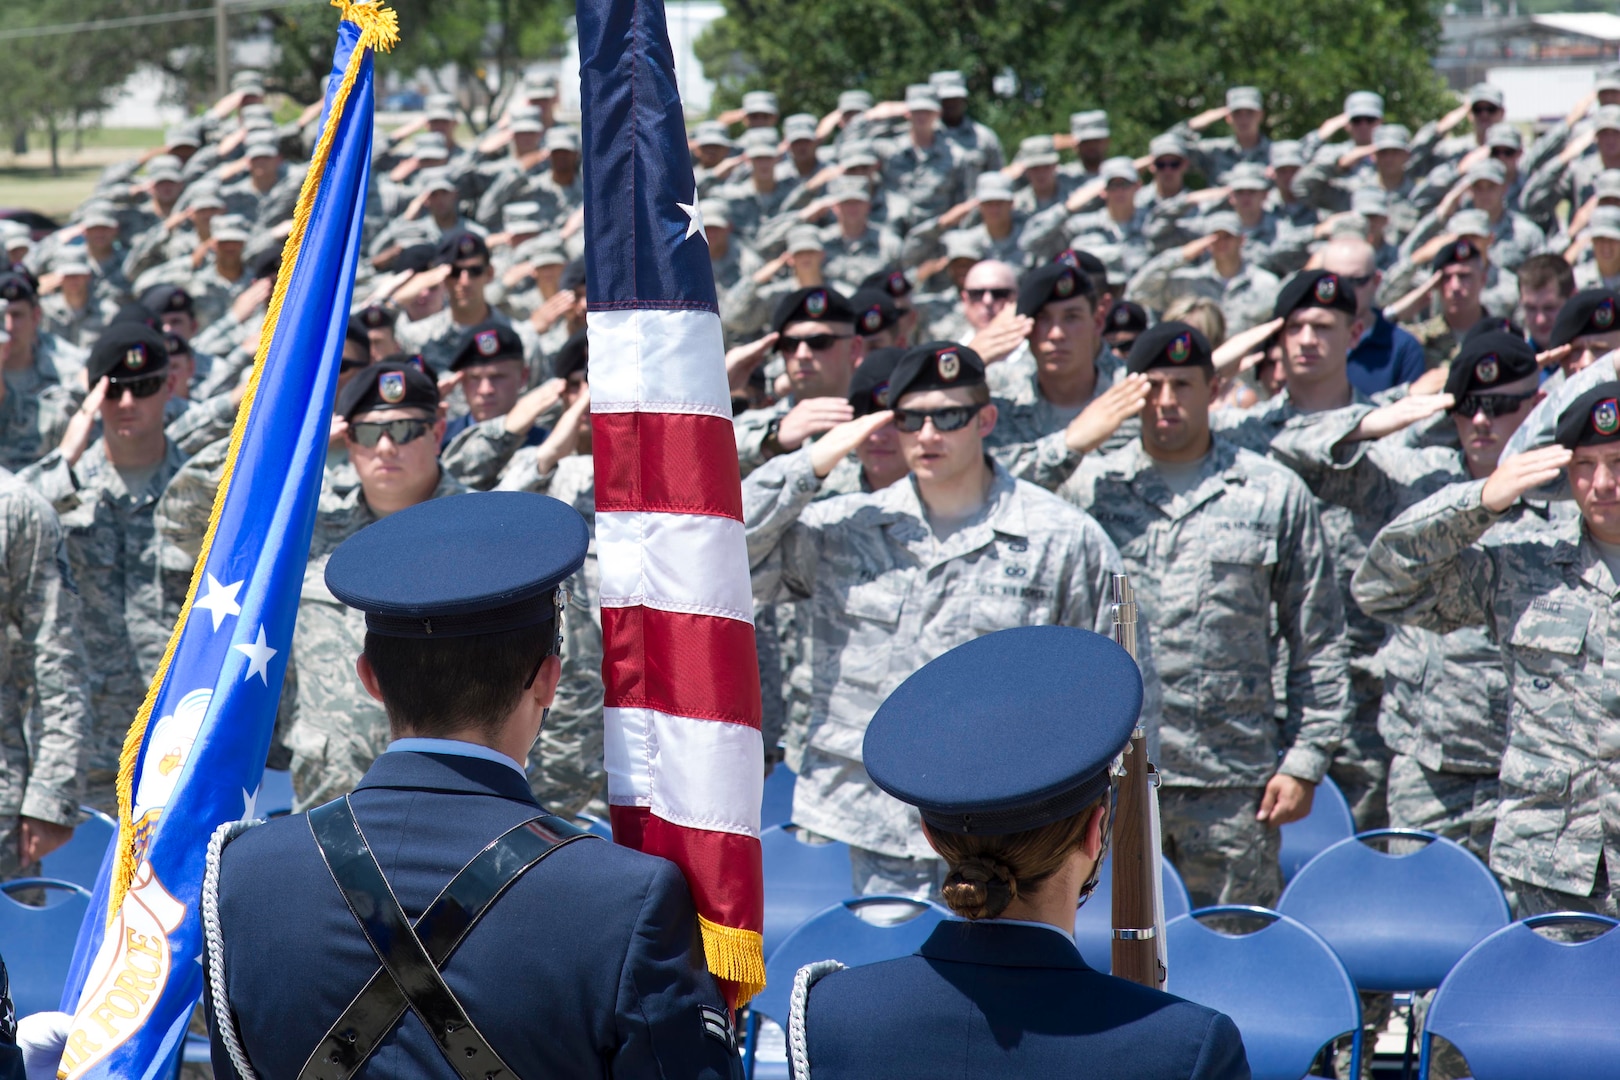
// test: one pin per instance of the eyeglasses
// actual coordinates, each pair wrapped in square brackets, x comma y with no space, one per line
[951,418]
[368,433]
[984,296]
[469,271]
[817,342]
[143,386]
[1168,163]
[1491,405]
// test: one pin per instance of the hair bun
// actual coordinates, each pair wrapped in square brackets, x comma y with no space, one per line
[980,888]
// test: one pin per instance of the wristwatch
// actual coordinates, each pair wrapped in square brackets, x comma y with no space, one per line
[771,445]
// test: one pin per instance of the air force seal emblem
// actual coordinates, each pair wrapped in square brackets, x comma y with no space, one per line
[391,387]
[872,321]
[1606,416]
[1603,317]
[815,305]
[1063,287]
[1327,289]
[950,365]
[1489,369]
[488,342]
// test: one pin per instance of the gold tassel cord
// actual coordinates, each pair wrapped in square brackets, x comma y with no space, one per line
[379,31]
[734,956]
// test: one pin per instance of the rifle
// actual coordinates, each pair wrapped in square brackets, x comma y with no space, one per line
[1138,917]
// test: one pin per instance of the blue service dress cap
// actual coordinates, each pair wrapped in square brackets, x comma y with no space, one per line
[498,556]
[1011,731]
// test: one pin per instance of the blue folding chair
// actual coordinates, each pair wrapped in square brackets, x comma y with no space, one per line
[1282,986]
[275,794]
[777,806]
[1521,1007]
[800,880]
[837,933]
[1094,922]
[595,825]
[79,860]
[37,942]
[1328,822]
[1399,922]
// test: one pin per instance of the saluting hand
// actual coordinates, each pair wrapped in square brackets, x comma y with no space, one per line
[1102,417]
[742,360]
[839,442]
[813,416]
[997,340]
[1523,473]
[76,439]
[1398,415]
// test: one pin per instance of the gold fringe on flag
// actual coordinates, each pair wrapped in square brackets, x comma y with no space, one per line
[735,956]
[379,31]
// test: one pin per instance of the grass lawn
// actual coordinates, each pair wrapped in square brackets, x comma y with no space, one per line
[26,181]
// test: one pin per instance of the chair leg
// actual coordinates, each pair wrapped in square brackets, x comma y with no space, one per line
[750,1044]
[1411,1037]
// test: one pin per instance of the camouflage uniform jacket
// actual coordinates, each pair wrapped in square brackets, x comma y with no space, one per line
[1440,342]
[337,729]
[1217,155]
[849,262]
[44,712]
[32,423]
[1212,567]
[1028,439]
[438,338]
[1445,697]
[130,597]
[1246,298]
[932,180]
[1549,598]
[887,595]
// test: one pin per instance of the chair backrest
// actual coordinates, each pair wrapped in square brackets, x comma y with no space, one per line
[838,933]
[79,860]
[275,794]
[1094,922]
[1328,822]
[1399,922]
[1521,1007]
[37,942]
[1282,986]
[776,808]
[595,825]
[800,880]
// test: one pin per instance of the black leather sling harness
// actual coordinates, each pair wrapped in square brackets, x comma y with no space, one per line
[411,956]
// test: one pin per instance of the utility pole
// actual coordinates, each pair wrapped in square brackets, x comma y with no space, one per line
[222,75]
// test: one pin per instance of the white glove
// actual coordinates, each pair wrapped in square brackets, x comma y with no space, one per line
[42,1037]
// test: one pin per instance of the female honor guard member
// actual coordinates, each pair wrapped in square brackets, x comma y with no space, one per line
[1000,990]
[437,923]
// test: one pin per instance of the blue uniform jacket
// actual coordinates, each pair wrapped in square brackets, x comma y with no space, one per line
[1003,1000]
[589,966]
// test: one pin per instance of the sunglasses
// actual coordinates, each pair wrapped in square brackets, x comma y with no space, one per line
[1364,119]
[984,296]
[368,433]
[1168,163]
[469,271]
[1485,109]
[1504,153]
[816,342]
[143,386]
[1355,282]
[1491,404]
[952,418]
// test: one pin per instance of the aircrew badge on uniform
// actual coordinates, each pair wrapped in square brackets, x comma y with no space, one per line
[135,357]
[815,305]
[391,387]
[1606,416]
[489,342]
[1180,348]
[872,321]
[1063,287]
[1489,369]
[950,365]
[1603,317]
[1327,287]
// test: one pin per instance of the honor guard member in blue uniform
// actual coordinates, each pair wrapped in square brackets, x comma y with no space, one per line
[437,922]
[1000,990]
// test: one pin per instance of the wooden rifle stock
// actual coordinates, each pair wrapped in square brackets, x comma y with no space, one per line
[1138,919]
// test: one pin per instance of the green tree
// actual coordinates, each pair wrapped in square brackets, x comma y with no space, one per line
[1149,65]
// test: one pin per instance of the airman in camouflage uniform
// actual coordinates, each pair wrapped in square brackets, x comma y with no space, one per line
[1549,597]
[1216,156]
[1217,548]
[44,714]
[1245,295]
[932,178]
[888,592]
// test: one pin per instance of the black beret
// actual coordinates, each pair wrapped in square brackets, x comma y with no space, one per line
[573,276]
[177,345]
[1457,251]
[892,282]
[1591,419]
[1487,361]
[459,244]
[266,264]
[1590,311]
[504,554]
[375,317]
[355,334]
[492,339]
[1053,282]
[416,258]
[1170,344]
[1492,324]
[874,311]
[135,313]
[1084,261]
[388,385]
[869,386]
[127,350]
[15,287]
[1126,316]
[575,355]
[955,739]
[165,298]
[1315,288]
[818,303]
[937,365]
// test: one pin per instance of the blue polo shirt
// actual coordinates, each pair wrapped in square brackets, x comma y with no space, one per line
[1386,357]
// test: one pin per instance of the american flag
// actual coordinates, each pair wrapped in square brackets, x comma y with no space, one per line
[684,754]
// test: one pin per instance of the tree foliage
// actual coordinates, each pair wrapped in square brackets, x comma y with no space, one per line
[1148,64]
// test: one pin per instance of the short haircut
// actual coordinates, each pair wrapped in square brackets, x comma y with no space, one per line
[434,686]
[1539,271]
